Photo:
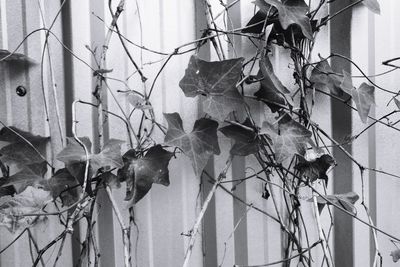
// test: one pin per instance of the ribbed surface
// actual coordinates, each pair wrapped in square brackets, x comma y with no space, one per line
[165,213]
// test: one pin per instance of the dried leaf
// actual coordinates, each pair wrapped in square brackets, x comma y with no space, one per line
[199,145]
[31,200]
[215,82]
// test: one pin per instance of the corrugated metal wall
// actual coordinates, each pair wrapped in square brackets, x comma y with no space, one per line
[165,213]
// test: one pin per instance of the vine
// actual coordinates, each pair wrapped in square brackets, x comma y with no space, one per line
[292,151]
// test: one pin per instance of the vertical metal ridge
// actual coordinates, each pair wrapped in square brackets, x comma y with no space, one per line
[340,41]
[105,220]
[209,229]
[68,69]
[68,65]
[372,135]
[240,212]
[238,163]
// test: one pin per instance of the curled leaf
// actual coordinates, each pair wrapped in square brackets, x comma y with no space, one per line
[141,172]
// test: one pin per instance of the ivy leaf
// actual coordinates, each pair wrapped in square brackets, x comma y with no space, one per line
[141,173]
[77,170]
[364,99]
[289,138]
[246,141]
[12,134]
[291,12]
[20,155]
[199,145]
[292,35]
[31,200]
[15,57]
[30,175]
[395,255]
[269,78]
[62,185]
[324,78]
[17,151]
[215,82]
[110,156]
[74,157]
[74,152]
[372,5]
[258,20]
[256,23]
[346,201]
[316,168]
[271,89]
